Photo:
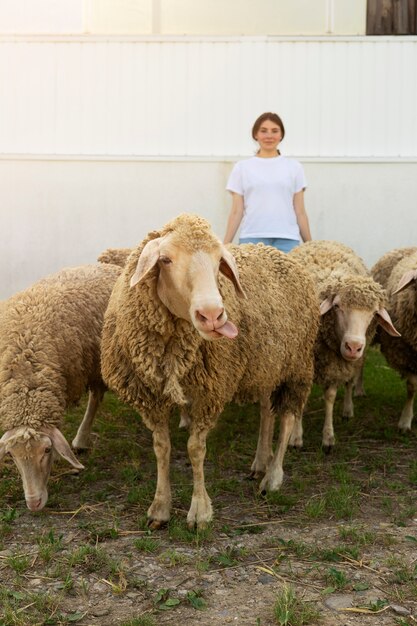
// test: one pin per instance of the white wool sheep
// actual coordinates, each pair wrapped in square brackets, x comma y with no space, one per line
[352,304]
[168,341]
[397,270]
[49,356]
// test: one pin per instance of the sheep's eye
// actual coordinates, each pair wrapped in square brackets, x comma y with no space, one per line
[47,450]
[165,260]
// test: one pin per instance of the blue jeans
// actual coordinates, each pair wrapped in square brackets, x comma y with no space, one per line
[285,245]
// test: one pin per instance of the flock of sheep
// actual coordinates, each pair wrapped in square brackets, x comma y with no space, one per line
[184,321]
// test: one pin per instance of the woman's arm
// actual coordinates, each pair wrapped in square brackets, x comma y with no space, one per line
[302,219]
[235,217]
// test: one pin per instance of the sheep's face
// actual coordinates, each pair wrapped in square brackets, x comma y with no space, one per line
[188,282]
[353,324]
[33,453]
[33,459]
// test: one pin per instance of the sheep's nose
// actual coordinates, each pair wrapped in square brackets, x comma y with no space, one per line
[34,504]
[210,316]
[353,348]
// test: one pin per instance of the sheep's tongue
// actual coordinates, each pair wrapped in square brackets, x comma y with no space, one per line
[228,330]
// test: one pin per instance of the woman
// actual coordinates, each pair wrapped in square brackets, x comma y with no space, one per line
[268,192]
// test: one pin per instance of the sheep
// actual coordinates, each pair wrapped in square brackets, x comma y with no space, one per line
[382,269]
[115,256]
[49,355]
[352,304]
[168,341]
[398,269]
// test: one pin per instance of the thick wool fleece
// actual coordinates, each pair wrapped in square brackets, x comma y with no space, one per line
[382,269]
[337,270]
[50,345]
[116,256]
[155,361]
[401,352]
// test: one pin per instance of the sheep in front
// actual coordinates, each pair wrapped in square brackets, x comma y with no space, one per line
[168,340]
[352,304]
[49,356]
[397,271]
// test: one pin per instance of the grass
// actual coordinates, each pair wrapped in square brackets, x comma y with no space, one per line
[321,530]
[291,610]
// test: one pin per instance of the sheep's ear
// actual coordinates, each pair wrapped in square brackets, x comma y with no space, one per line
[229,269]
[3,442]
[62,446]
[147,260]
[326,305]
[406,281]
[385,322]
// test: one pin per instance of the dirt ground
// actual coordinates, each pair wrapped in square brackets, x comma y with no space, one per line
[342,533]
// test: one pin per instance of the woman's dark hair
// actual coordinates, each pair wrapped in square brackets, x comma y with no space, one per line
[272,117]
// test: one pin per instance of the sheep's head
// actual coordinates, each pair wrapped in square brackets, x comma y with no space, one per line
[357,305]
[189,259]
[33,453]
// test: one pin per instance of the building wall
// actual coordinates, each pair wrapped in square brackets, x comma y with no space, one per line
[57,213]
[184,17]
[187,97]
[105,136]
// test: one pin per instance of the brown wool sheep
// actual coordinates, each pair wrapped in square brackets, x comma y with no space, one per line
[352,304]
[49,356]
[382,269]
[115,256]
[399,269]
[196,324]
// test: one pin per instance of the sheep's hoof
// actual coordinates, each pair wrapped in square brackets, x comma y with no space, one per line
[404,431]
[263,493]
[297,447]
[156,524]
[255,475]
[346,418]
[198,526]
[327,449]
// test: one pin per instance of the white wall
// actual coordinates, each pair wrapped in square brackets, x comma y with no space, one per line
[184,17]
[338,97]
[103,139]
[65,212]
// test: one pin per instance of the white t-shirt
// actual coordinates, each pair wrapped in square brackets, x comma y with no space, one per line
[268,187]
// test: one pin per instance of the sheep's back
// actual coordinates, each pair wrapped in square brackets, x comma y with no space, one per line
[50,334]
[382,269]
[115,256]
[279,319]
[321,257]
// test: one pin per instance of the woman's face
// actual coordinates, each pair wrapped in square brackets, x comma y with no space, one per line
[269,135]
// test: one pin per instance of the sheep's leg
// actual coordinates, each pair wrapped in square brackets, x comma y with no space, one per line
[160,509]
[200,512]
[81,440]
[264,452]
[273,478]
[359,388]
[408,411]
[296,438]
[347,400]
[328,432]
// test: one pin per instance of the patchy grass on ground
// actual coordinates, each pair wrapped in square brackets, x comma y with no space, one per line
[337,545]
